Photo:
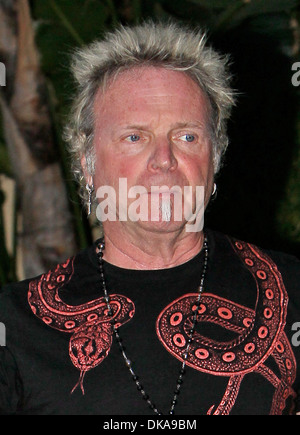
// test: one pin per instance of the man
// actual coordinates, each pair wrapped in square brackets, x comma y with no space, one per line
[160,316]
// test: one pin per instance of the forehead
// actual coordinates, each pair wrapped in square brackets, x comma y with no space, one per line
[151,88]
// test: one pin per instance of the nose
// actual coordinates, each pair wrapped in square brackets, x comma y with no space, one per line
[162,158]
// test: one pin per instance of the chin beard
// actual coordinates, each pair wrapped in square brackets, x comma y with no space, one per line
[166,210]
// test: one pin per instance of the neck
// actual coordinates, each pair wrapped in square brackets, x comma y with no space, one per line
[151,250]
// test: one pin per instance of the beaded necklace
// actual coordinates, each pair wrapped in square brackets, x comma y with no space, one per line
[128,362]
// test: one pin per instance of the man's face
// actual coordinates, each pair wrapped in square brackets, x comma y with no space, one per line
[152,129]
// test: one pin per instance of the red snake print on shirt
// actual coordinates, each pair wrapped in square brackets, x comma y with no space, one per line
[89,323]
[260,333]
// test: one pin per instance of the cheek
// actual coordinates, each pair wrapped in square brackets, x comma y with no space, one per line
[199,170]
[126,168]
[111,167]
[129,168]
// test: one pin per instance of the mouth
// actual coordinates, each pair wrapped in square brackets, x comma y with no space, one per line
[162,204]
[165,190]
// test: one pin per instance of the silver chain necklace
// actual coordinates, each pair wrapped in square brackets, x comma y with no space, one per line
[128,362]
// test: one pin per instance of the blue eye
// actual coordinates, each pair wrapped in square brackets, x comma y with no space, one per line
[134,138]
[189,138]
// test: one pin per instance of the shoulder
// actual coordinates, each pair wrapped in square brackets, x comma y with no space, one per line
[285,261]
[289,268]
[12,294]
[282,259]
[288,265]
[70,277]
[14,308]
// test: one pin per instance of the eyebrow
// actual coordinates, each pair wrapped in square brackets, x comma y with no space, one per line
[137,127]
[174,126]
[188,124]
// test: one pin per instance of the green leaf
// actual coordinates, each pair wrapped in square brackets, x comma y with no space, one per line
[261,7]
[65,22]
[288,215]
[228,17]
[228,14]
[61,26]
[257,7]
[5,166]
[252,6]
[213,4]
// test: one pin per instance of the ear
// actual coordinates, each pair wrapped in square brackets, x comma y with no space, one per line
[88,177]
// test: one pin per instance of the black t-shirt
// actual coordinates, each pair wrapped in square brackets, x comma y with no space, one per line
[244,358]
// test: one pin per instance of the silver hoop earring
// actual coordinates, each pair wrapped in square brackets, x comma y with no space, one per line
[214,194]
[90,190]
